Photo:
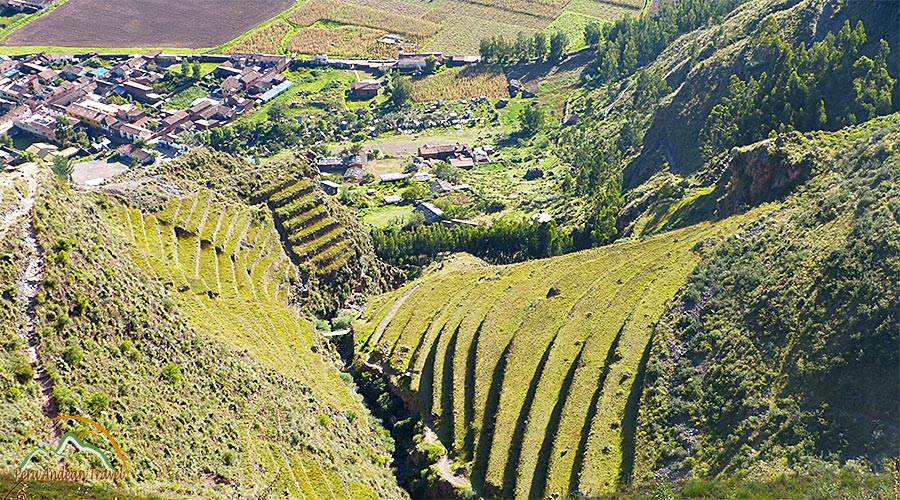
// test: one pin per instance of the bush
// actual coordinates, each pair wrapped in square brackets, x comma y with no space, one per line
[22,370]
[171,373]
[324,419]
[97,403]
[73,355]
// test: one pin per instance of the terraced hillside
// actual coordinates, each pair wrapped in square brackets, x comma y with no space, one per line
[175,330]
[313,235]
[531,373]
[328,246]
[323,239]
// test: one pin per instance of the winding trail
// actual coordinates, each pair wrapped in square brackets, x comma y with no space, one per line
[386,320]
[28,284]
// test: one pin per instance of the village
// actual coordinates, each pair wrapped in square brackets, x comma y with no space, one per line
[108,113]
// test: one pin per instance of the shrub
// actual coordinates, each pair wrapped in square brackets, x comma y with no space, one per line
[97,403]
[171,373]
[73,355]
[324,419]
[21,369]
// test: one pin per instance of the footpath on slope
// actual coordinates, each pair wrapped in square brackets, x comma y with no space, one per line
[28,284]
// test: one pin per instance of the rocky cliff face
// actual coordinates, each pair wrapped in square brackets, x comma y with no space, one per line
[763,172]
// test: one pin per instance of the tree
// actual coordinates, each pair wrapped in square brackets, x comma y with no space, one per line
[401,92]
[447,172]
[185,68]
[592,34]
[539,48]
[276,112]
[415,192]
[558,43]
[6,140]
[531,119]
[62,168]
[81,138]
[195,70]
[64,132]
[431,64]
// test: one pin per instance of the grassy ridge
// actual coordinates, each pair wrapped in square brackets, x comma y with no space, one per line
[191,354]
[505,360]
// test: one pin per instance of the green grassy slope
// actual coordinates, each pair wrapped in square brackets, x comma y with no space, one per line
[528,372]
[193,356]
[783,347]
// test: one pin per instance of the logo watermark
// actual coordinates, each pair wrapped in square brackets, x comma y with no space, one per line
[46,453]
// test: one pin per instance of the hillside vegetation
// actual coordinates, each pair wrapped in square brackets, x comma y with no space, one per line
[783,346]
[530,373]
[533,374]
[177,329]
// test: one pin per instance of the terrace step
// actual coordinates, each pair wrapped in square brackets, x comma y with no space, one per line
[306,223]
[322,244]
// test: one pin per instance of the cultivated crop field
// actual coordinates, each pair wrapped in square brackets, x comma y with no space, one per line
[137,23]
[354,27]
[532,371]
[461,83]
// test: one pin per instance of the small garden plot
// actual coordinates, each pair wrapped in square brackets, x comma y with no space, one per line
[462,83]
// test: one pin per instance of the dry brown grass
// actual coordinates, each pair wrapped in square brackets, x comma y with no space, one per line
[348,41]
[265,40]
[358,15]
[461,83]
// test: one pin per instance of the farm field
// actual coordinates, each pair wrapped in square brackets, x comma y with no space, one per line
[461,83]
[155,23]
[531,370]
[354,28]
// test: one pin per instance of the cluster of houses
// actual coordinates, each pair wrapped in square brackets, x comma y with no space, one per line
[26,5]
[114,97]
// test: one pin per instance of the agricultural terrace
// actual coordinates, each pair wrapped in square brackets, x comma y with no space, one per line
[355,28]
[532,372]
[135,23]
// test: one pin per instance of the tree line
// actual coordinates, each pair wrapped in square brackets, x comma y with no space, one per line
[505,241]
[536,48]
[634,41]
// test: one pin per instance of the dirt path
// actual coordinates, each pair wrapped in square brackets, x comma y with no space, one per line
[443,465]
[386,320]
[28,284]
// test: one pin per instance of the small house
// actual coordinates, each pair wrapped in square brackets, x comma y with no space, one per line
[130,153]
[330,187]
[463,162]
[393,177]
[366,89]
[432,213]
[392,200]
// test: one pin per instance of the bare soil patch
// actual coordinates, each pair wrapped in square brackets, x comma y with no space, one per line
[146,23]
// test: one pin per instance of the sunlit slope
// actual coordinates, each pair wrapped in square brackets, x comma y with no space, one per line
[232,280]
[532,371]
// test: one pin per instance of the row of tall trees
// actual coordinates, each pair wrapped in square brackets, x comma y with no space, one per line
[829,85]
[504,241]
[538,47]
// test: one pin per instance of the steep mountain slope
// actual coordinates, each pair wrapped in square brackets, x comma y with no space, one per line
[323,240]
[174,328]
[782,348]
[698,68]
